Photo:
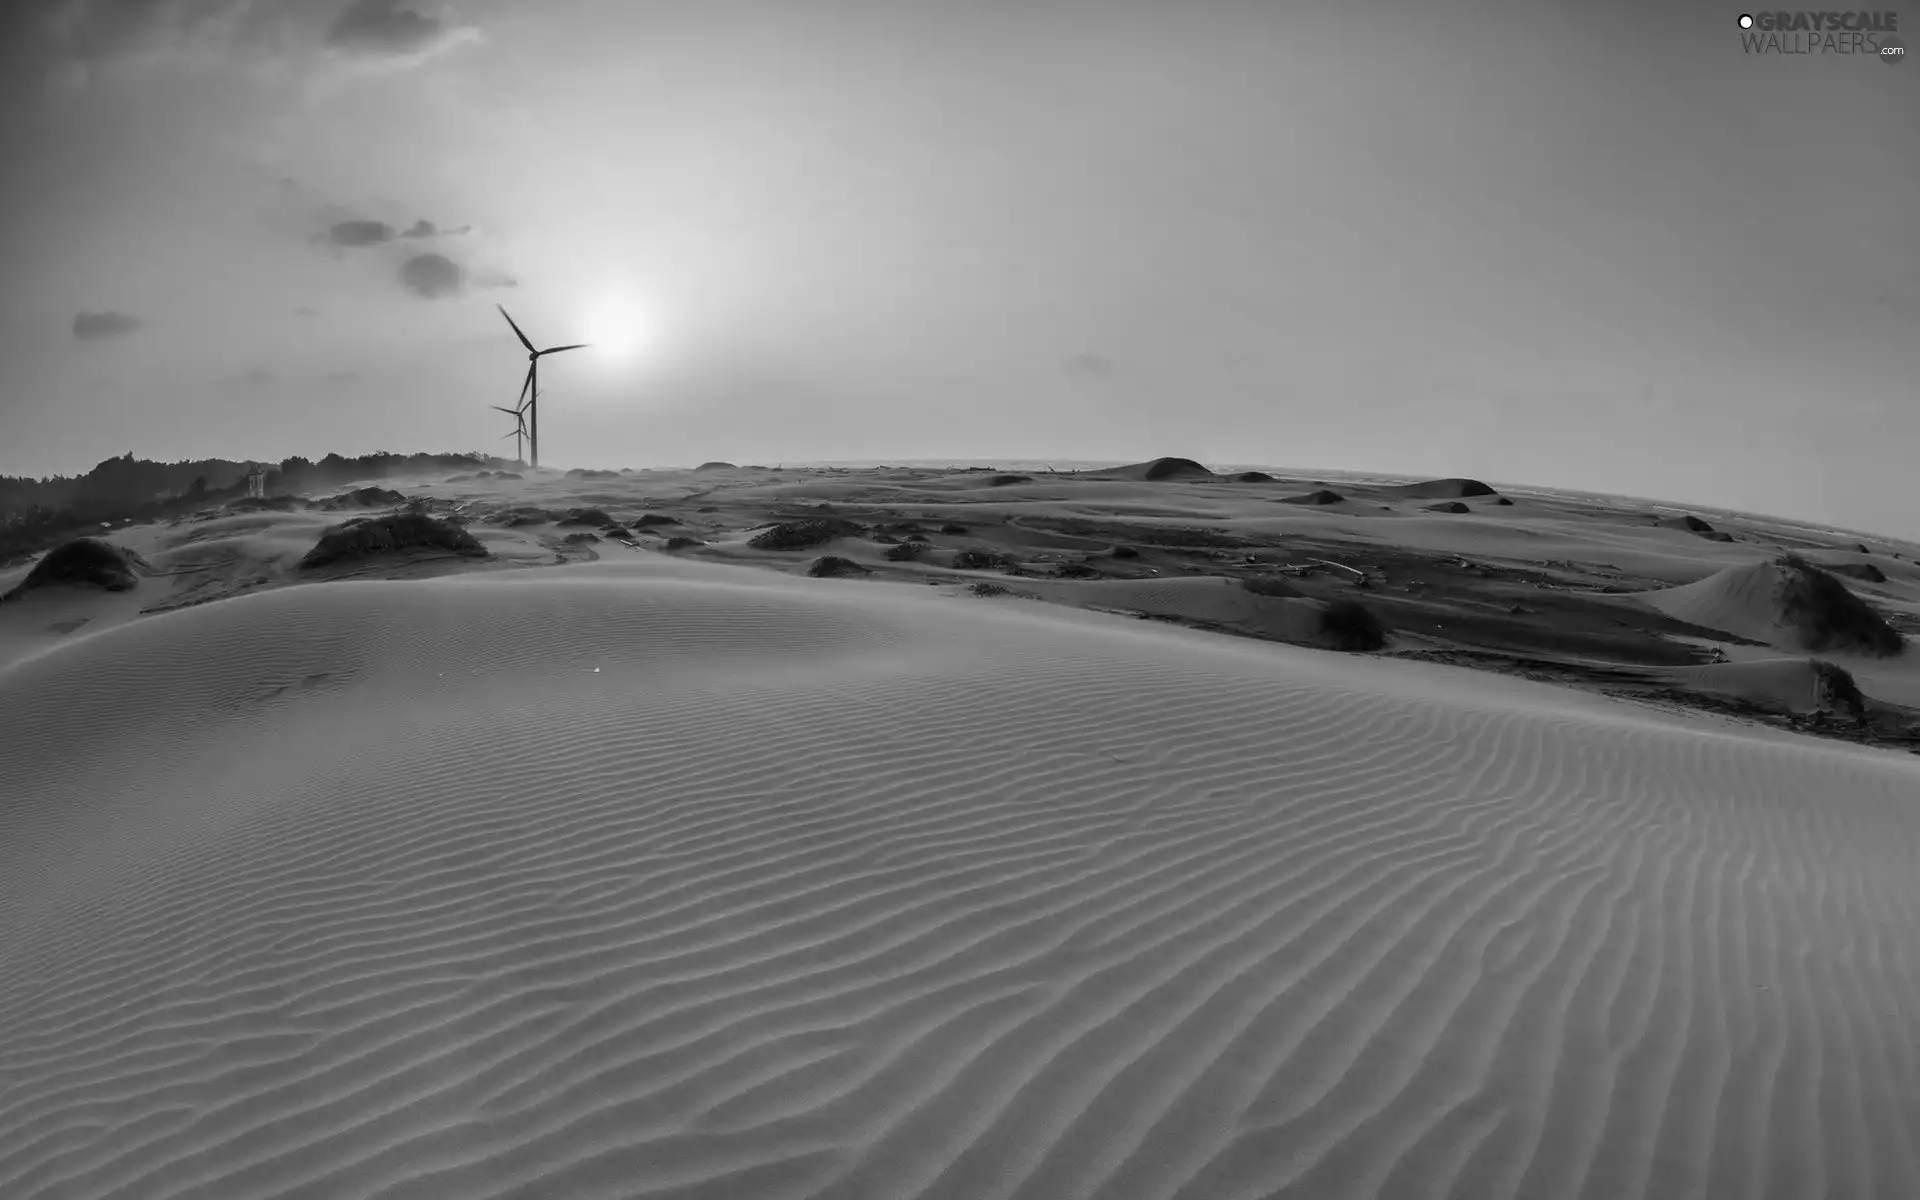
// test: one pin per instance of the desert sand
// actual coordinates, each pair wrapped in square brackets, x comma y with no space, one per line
[593,868]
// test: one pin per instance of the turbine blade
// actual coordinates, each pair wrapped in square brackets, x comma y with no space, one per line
[512,412]
[524,385]
[516,329]
[558,349]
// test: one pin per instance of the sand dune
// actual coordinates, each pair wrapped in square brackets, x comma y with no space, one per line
[674,878]
[1785,602]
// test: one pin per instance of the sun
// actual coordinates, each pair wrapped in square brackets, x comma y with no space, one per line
[618,326]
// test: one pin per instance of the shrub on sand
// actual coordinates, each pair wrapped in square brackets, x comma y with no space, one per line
[682,543]
[802,535]
[586,516]
[1837,687]
[1350,625]
[905,551]
[953,529]
[85,561]
[977,558]
[647,519]
[832,564]
[988,588]
[1005,480]
[384,535]
[1828,616]
[1124,552]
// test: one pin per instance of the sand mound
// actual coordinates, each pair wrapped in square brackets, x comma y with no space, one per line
[586,516]
[1786,602]
[706,881]
[1794,685]
[803,535]
[1008,480]
[649,520]
[588,473]
[1253,477]
[1862,571]
[1441,489]
[1688,522]
[719,466]
[1322,496]
[682,543]
[84,562]
[507,475]
[828,565]
[1162,468]
[1449,506]
[366,497]
[373,536]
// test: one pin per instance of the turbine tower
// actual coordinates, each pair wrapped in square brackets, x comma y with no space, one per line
[532,383]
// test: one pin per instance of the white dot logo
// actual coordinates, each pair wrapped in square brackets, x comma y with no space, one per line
[1746,20]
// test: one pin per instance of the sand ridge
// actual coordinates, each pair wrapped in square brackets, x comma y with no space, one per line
[819,889]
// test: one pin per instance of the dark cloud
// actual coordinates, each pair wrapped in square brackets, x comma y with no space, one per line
[103,324]
[360,233]
[432,276]
[387,28]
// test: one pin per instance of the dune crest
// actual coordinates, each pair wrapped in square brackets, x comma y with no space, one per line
[1785,601]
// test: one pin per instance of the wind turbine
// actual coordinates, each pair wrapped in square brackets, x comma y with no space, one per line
[519,416]
[532,383]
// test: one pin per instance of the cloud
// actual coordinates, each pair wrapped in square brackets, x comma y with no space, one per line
[432,276]
[389,29]
[495,279]
[360,233]
[419,229]
[103,324]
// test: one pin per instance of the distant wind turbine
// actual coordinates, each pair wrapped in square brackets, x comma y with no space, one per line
[519,416]
[532,383]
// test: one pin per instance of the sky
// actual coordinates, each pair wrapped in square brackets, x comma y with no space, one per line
[1590,246]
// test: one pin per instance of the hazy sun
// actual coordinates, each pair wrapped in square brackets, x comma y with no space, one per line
[618,326]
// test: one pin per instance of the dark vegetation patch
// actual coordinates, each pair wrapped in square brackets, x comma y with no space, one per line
[1828,616]
[718,466]
[1838,687]
[577,539]
[587,516]
[1449,506]
[989,588]
[373,536]
[828,565]
[1350,625]
[84,562]
[1253,477]
[1688,522]
[980,558]
[366,497]
[586,473]
[646,520]
[1146,535]
[1124,552]
[708,508]
[905,551]
[1866,571]
[951,528]
[1007,480]
[617,531]
[508,475]
[1323,496]
[1442,489]
[1501,500]
[803,535]
[1269,585]
[682,543]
